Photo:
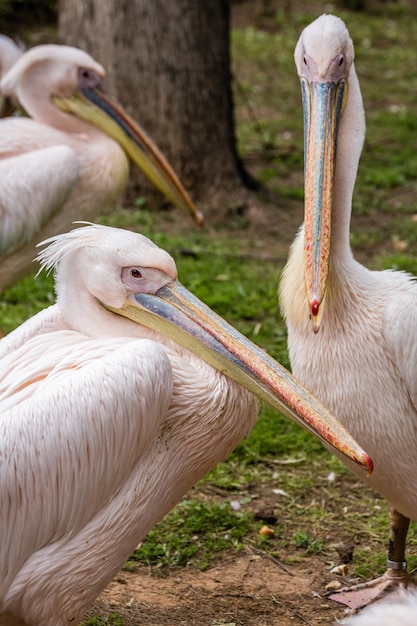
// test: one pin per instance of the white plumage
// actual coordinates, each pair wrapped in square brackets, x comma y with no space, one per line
[400,610]
[9,53]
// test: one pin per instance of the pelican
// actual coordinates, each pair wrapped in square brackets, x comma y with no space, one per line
[9,53]
[70,160]
[114,402]
[352,332]
[398,611]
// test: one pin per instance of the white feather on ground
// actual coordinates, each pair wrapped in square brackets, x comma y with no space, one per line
[399,609]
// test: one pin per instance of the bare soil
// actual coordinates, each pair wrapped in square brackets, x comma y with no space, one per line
[248,589]
[251,587]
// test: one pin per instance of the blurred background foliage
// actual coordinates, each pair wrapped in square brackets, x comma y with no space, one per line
[41,11]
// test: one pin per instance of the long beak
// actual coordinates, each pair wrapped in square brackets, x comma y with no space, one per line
[96,107]
[322,105]
[173,311]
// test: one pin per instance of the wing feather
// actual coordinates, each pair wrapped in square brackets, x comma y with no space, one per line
[49,320]
[73,434]
[33,186]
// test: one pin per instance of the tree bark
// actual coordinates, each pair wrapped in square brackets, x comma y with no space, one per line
[168,63]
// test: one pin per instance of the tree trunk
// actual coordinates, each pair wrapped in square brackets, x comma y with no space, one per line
[168,63]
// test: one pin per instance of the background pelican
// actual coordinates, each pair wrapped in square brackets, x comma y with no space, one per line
[9,53]
[352,332]
[70,160]
[106,423]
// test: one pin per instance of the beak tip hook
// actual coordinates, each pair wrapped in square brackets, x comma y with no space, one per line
[199,218]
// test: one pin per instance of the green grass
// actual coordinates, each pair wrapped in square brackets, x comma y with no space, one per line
[24,299]
[192,533]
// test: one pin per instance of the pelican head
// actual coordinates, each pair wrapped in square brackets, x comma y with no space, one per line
[127,275]
[324,57]
[58,85]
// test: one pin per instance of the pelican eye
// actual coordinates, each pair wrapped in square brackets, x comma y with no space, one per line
[341,60]
[88,77]
[135,273]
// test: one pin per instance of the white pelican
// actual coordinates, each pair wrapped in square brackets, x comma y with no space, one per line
[395,610]
[352,332]
[105,423]
[9,53]
[70,159]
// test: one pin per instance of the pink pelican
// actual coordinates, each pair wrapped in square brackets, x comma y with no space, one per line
[351,332]
[398,609]
[70,160]
[114,402]
[9,53]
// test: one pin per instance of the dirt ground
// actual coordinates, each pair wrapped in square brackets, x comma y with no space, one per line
[240,590]
[251,587]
